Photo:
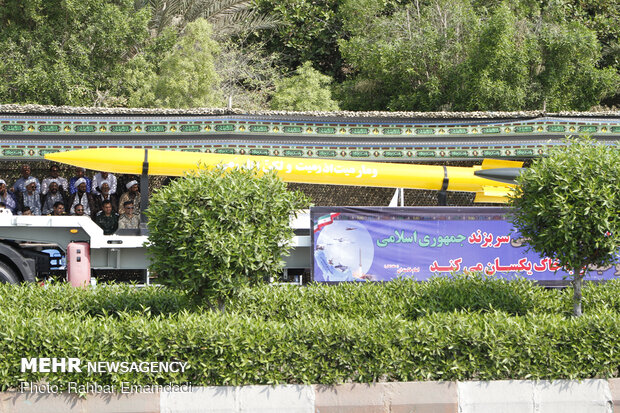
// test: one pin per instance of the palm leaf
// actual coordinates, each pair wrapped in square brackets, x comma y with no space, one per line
[227,16]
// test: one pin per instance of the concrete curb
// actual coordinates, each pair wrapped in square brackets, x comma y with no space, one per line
[282,398]
[562,396]
[614,386]
[15,402]
[420,397]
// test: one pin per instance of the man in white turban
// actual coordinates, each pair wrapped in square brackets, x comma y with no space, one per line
[101,177]
[7,197]
[30,197]
[79,174]
[81,197]
[103,196]
[133,195]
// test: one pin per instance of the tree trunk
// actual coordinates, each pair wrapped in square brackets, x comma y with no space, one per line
[577,283]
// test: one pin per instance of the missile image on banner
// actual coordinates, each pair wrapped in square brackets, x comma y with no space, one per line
[479,179]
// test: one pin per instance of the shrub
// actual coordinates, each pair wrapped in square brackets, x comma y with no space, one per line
[566,206]
[316,334]
[106,299]
[216,230]
[306,90]
[404,297]
[237,349]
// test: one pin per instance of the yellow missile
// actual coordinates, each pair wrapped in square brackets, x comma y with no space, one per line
[299,170]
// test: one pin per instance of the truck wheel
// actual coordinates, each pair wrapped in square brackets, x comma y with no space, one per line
[7,275]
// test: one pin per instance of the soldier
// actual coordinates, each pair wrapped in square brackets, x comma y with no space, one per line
[107,218]
[128,220]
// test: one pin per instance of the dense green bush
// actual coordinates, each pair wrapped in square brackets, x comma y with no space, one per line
[406,298]
[460,329]
[215,230]
[306,90]
[403,298]
[233,349]
[105,299]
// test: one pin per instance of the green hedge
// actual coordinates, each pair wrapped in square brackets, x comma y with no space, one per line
[442,330]
[406,298]
[237,349]
[102,300]
[410,299]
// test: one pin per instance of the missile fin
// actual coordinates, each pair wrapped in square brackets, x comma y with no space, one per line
[481,197]
[496,191]
[500,163]
[493,194]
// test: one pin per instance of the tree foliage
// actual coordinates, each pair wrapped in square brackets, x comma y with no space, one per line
[186,76]
[570,77]
[407,59]
[306,90]
[566,206]
[248,74]
[496,69]
[602,16]
[449,54]
[64,52]
[216,230]
[383,54]
[307,30]
[226,16]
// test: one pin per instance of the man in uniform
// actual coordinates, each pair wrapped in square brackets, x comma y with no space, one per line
[59,209]
[107,218]
[129,220]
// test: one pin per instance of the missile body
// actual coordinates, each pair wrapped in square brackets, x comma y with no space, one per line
[300,170]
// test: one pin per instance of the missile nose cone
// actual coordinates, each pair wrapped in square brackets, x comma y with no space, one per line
[505,175]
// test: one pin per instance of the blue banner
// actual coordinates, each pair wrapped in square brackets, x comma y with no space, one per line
[381,244]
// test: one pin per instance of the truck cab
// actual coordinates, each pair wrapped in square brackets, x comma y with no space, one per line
[24,238]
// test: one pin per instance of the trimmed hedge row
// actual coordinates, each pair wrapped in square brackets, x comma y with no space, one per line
[102,300]
[459,329]
[411,299]
[227,349]
[406,298]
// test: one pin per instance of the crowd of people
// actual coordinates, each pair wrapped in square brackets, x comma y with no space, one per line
[96,198]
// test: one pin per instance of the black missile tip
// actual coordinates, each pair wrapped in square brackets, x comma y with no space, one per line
[505,175]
